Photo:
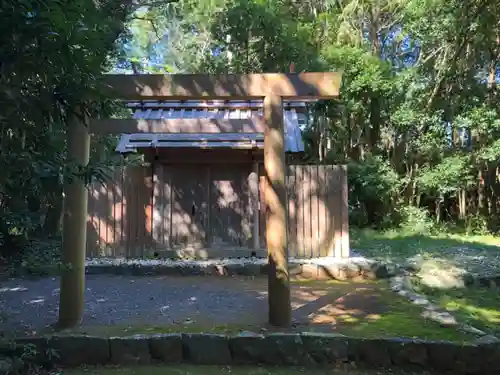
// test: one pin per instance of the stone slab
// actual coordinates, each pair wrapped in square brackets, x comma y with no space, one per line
[74,350]
[166,348]
[206,349]
[130,350]
[326,348]
[286,349]
[343,270]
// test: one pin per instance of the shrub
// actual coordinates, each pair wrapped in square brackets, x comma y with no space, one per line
[373,191]
[415,220]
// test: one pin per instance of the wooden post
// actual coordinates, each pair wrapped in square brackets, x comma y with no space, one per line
[247,86]
[71,301]
[280,313]
[254,192]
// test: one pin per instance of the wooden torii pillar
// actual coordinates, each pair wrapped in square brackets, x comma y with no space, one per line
[273,88]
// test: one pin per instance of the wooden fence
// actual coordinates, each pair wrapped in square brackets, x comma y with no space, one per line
[128,216]
[318,223]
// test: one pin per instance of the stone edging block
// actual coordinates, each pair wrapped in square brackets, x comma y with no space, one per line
[403,286]
[342,271]
[288,349]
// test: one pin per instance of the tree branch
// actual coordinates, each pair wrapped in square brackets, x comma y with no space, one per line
[463,38]
[152,22]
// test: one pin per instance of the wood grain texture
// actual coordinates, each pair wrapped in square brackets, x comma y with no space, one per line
[324,85]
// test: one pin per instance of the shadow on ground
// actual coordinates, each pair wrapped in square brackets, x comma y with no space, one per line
[471,254]
[475,306]
[401,244]
[121,305]
[442,265]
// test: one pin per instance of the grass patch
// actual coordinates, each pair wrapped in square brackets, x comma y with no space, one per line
[399,244]
[476,306]
[217,370]
[401,319]
[473,254]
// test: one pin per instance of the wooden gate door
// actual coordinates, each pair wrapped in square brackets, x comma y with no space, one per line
[190,208]
[230,220]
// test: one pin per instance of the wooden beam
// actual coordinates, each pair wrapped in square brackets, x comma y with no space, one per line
[237,86]
[188,125]
[200,105]
[197,156]
[280,313]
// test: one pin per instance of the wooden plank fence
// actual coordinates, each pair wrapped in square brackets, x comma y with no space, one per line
[123,221]
[317,211]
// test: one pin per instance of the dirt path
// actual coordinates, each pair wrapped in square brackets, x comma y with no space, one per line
[32,305]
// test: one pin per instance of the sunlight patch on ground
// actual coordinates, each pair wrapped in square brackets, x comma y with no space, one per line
[444,259]
[488,315]
[377,313]
[479,307]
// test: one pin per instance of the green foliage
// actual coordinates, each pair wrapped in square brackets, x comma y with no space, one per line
[260,37]
[476,224]
[25,358]
[373,188]
[415,220]
[417,120]
[38,258]
[451,174]
[362,72]
[53,54]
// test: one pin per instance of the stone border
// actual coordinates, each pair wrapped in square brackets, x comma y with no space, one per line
[325,268]
[492,281]
[319,269]
[403,286]
[287,349]
[356,268]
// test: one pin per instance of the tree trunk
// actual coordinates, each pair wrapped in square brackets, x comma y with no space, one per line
[374,134]
[481,194]
[462,204]
[438,209]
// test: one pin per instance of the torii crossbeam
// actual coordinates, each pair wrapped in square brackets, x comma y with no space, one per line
[273,88]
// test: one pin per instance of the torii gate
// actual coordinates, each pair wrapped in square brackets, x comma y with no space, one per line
[273,88]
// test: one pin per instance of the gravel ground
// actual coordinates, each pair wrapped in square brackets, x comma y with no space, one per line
[475,261]
[30,305]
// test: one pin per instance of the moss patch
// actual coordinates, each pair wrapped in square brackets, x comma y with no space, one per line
[401,319]
[476,306]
